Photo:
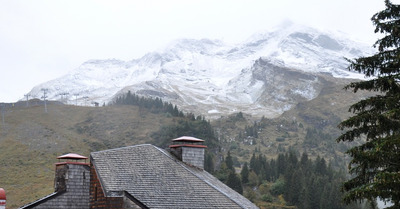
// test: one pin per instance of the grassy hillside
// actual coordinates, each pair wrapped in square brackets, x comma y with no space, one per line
[30,141]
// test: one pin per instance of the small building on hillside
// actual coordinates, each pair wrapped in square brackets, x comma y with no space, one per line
[145,176]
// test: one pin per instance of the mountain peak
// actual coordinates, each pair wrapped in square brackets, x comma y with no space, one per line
[212,78]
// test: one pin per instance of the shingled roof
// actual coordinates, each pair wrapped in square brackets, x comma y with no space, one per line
[158,180]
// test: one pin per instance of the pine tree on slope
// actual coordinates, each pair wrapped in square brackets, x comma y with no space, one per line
[376,162]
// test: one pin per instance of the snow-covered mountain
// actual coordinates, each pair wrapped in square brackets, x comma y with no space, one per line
[265,75]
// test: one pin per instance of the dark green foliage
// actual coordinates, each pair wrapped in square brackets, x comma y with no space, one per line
[234,182]
[254,166]
[185,125]
[278,187]
[266,198]
[314,137]
[154,105]
[239,116]
[304,183]
[223,173]
[281,164]
[252,131]
[312,184]
[229,162]
[293,185]
[245,173]
[228,175]
[260,166]
[209,162]
[320,166]
[375,163]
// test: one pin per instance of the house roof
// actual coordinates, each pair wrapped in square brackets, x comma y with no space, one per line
[158,180]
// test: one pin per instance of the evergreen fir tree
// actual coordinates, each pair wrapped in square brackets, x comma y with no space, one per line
[253,163]
[209,162]
[306,197]
[233,182]
[281,164]
[375,163]
[245,173]
[293,185]
[229,161]
[320,166]
[304,162]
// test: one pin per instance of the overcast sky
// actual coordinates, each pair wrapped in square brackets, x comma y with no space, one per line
[44,39]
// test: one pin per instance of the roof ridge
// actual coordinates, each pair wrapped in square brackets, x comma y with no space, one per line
[121,148]
[186,167]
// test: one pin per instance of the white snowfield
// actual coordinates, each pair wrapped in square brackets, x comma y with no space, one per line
[265,75]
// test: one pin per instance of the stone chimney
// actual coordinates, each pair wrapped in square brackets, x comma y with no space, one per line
[189,150]
[71,173]
[71,185]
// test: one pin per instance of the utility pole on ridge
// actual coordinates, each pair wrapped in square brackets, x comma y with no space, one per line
[76,99]
[44,98]
[64,97]
[3,112]
[27,99]
[85,98]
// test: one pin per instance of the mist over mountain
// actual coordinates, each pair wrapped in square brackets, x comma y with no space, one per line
[267,74]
